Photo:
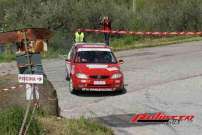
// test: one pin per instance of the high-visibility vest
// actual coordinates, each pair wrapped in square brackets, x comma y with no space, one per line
[79,37]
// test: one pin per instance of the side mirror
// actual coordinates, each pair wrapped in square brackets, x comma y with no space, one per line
[121,61]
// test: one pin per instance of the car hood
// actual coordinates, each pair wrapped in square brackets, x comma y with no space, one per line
[97,69]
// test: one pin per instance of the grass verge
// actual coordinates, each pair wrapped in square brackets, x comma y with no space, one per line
[82,126]
[135,43]
[11,119]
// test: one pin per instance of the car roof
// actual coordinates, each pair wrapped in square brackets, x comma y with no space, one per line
[91,45]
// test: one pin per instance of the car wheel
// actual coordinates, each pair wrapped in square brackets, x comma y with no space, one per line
[121,90]
[71,88]
[67,77]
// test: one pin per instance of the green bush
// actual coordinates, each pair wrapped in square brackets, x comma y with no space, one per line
[6,57]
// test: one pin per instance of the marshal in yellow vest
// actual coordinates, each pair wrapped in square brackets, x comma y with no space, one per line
[79,37]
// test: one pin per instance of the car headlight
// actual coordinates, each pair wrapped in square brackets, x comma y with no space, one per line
[81,76]
[116,76]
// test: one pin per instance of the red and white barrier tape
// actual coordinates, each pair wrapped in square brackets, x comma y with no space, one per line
[122,32]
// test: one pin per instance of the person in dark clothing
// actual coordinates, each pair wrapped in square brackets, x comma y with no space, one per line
[106,22]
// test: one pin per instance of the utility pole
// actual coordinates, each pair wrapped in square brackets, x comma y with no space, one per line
[23,130]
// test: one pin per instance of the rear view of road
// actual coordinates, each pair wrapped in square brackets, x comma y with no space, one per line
[162,79]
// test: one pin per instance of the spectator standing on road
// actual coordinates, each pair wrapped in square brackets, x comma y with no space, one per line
[79,36]
[106,22]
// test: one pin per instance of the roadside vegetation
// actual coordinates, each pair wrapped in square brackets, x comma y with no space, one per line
[65,16]
[118,44]
[5,57]
[55,126]
[136,43]
[11,119]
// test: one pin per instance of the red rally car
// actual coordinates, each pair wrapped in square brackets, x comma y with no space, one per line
[93,67]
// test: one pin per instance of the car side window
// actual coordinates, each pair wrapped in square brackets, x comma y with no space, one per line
[71,53]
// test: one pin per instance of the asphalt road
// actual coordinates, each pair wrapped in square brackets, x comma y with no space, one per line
[162,79]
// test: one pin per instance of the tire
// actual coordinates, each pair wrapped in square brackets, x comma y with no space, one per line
[67,77]
[121,90]
[71,89]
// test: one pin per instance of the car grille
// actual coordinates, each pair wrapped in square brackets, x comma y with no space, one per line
[99,77]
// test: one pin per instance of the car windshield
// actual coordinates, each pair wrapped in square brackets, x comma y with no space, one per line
[95,57]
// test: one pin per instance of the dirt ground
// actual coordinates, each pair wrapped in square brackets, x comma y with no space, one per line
[13,94]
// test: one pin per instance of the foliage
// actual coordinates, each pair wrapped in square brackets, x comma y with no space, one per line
[7,57]
[65,16]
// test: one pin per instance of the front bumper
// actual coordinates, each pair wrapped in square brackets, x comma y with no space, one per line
[98,84]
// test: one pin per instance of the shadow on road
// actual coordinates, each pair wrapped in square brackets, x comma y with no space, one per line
[99,93]
[123,121]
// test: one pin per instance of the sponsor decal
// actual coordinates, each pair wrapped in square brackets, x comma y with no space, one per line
[96,66]
[160,118]
[94,49]
[112,68]
[97,89]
